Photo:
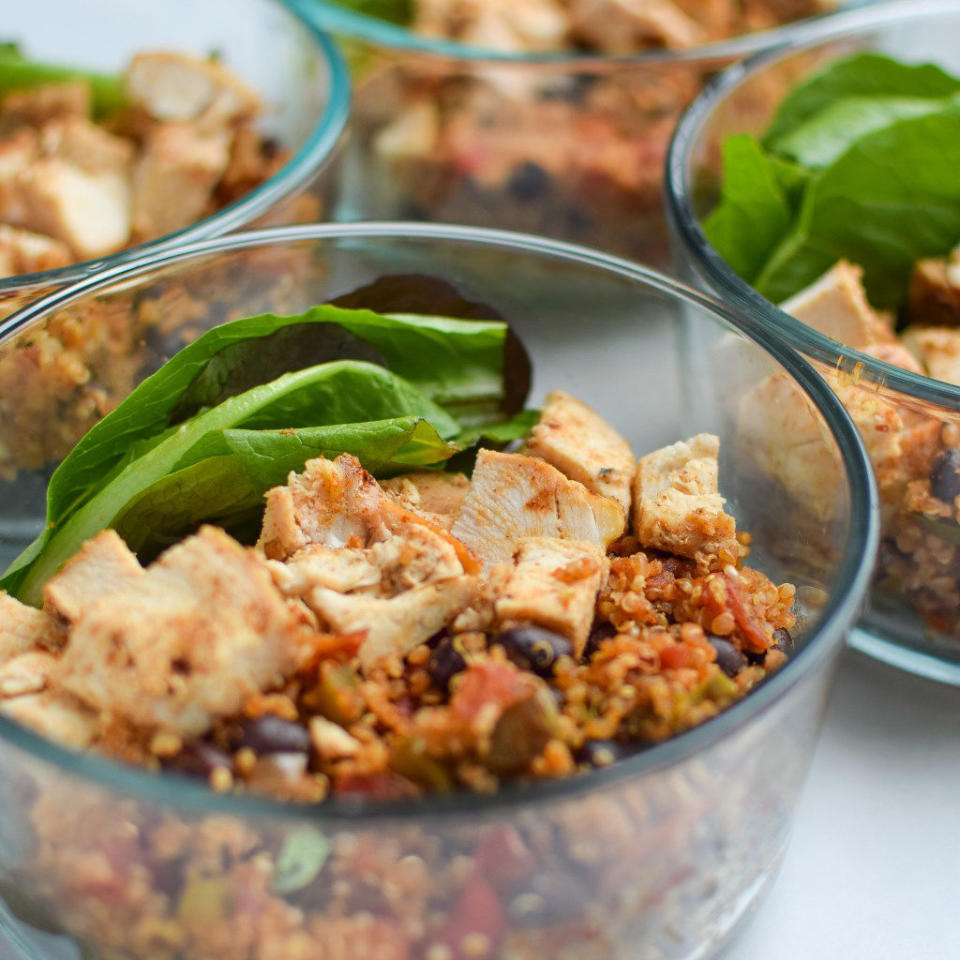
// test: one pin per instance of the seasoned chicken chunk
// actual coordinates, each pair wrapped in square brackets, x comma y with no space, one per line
[837,306]
[24,252]
[90,212]
[56,715]
[512,497]
[619,27]
[86,145]
[189,641]
[177,87]
[582,445]
[333,502]
[28,673]
[554,584]
[51,101]
[18,151]
[676,501]
[434,495]
[779,430]
[394,626]
[938,349]
[175,176]
[23,628]
[102,566]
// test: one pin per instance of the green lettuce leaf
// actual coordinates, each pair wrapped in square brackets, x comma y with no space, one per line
[325,395]
[864,75]
[457,363]
[393,11]
[754,211]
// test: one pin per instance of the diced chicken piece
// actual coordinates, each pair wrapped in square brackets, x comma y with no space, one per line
[938,349]
[88,212]
[677,504]
[178,88]
[102,566]
[412,134]
[202,630]
[56,715]
[393,627]
[18,151]
[87,146]
[837,306]
[780,431]
[582,445]
[342,569]
[513,497]
[934,295]
[28,673]
[175,176]
[414,554]
[554,585]
[23,628]
[434,495]
[333,502]
[619,27]
[39,105]
[331,741]
[24,252]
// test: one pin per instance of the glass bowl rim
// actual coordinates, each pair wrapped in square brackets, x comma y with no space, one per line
[326,132]
[342,21]
[838,614]
[707,261]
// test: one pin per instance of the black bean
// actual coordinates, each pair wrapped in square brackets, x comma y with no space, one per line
[529,182]
[599,633]
[783,641]
[270,734]
[549,897]
[602,753]
[535,648]
[945,476]
[445,663]
[198,758]
[729,659]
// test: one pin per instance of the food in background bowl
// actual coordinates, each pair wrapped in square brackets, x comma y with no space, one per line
[92,164]
[856,174]
[546,116]
[558,609]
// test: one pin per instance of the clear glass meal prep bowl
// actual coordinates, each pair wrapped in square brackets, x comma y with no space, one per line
[914,32]
[296,69]
[567,145]
[659,856]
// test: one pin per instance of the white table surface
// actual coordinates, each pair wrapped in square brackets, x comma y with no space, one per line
[873,869]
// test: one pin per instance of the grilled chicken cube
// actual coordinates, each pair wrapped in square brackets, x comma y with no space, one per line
[333,502]
[39,105]
[18,151]
[938,349]
[584,447]
[28,673]
[393,627]
[24,252]
[86,145]
[618,27]
[837,306]
[513,496]
[554,584]
[677,506]
[203,629]
[23,628]
[434,495]
[90,212]
[179,88]
[102,566]
[56,715]
[175,177]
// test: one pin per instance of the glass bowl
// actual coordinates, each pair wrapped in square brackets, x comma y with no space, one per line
[658,856]
[304,86]
[891,630]
[567,145]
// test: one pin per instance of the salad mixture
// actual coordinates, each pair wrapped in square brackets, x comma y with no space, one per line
[847,214]
[472,616]
[575,152]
